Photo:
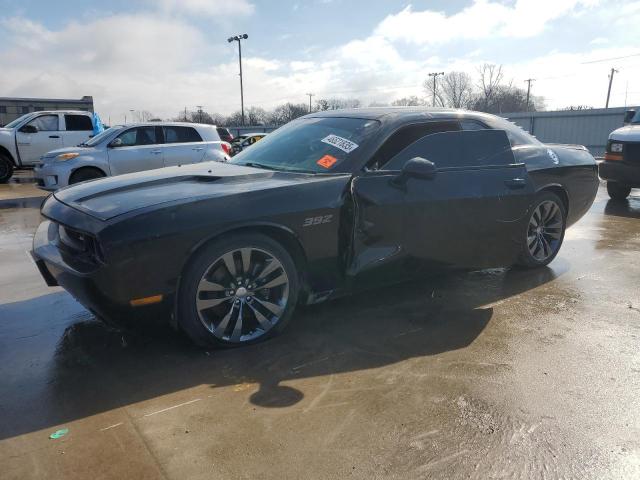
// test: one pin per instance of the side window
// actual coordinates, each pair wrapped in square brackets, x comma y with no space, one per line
[138,136]
[404,137]
[477,148]
[77,123]
[128,138]
[181,135]
[45,123]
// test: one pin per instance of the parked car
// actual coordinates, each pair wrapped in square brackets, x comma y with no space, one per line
[621,166]
[26,139]
[225,134]
[131,148]
[243,141]
[329,203]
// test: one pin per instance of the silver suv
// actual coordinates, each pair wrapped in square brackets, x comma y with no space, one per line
[131,148]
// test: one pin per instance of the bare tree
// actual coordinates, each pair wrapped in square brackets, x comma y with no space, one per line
[287,112]
[490,77]
[337,103]
[256,116]
[457,90]
[411,101]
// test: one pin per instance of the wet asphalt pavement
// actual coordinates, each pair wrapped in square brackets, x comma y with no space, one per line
[492,374]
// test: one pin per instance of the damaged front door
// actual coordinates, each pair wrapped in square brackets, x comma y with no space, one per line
[468,212]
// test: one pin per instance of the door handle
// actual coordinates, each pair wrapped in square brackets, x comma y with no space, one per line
[54,136]
[516,183]
[156,152]
[197,149]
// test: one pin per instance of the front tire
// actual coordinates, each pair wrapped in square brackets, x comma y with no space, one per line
[544,232]
[617,191]
[237,291]
[6,169]
[85,173]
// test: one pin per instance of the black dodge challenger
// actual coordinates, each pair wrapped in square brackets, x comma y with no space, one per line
[328,204]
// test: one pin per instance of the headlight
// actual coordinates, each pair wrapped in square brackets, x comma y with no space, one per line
[616,148]
[67,156]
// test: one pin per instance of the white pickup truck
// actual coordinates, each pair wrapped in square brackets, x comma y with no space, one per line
[26,139]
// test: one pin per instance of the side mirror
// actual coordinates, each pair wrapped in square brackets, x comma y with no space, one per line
[29,129]
[417,167]
[628,116]
[116,143]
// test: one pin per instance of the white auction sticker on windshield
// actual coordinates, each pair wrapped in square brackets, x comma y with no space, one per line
[343,144]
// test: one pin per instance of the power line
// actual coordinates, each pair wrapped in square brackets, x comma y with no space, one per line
[611,58]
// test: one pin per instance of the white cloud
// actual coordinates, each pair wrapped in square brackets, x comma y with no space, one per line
[210,8]
[482,19]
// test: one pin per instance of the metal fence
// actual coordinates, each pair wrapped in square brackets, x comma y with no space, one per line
[590,128]
[237,131]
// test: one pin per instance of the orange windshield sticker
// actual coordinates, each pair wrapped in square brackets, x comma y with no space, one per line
[327,161]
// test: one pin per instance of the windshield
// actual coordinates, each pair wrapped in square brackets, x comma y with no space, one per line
[315,145]
[100,137]
[636,118]
[18,120]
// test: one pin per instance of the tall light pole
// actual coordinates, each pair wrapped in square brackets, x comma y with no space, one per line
[239,38]
[310,95]
[435,75]
[613,70]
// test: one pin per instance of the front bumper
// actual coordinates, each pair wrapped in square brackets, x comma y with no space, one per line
[92,285]
[51,176]
[620,171]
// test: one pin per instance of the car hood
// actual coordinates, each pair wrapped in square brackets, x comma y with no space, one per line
[109,197]
[628,133]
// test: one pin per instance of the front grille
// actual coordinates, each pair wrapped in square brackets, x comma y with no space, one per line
[631,152]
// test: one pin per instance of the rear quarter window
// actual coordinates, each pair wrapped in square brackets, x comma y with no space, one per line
[181,135]
[76,123]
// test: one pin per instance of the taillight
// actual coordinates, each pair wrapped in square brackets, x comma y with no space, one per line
[226,147]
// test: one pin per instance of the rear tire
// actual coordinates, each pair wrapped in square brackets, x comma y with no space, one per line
[85,173]
[617,191]
[544,232]
[237,290]
[6,169]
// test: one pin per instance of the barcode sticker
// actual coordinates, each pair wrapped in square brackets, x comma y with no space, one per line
[343,144]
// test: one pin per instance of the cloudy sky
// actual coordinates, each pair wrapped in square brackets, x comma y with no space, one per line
[165,55]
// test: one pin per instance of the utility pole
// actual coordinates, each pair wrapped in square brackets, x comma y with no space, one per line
[199,107]
[239,38]
[435,75]
[185,114]
[310,95]
[613,70]
[528,81]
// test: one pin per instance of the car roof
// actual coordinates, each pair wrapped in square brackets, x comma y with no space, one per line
[75,112]
[389,113]
[165,124]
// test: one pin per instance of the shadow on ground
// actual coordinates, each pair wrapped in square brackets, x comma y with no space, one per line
[58,364]
[629,208]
